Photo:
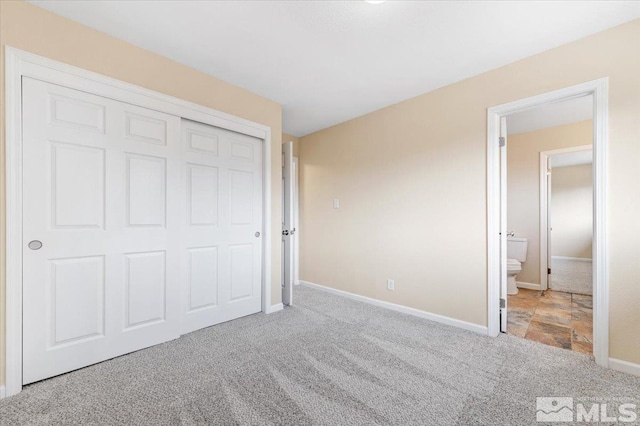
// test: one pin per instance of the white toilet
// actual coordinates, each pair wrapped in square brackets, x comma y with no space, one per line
[516,253]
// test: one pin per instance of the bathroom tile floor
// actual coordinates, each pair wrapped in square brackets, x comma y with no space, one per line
[564,320]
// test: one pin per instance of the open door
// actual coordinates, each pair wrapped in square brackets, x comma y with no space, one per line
[296,222]
[287,223]
[503,224]
[547,285]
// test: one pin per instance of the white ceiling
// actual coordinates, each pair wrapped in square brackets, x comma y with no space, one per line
[551,115]
[572,159]
[330,61]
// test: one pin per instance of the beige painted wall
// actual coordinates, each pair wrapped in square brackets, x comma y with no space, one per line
[296,143]
[523,184]
[33,29]
[572,211]
[412,182]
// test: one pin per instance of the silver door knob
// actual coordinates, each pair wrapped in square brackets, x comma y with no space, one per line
[35,245]
[257,234]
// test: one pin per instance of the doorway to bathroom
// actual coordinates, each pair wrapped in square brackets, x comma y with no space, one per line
[546,183]
[550,224]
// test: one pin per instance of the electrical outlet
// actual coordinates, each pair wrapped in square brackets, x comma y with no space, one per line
[391,285]
[336,203]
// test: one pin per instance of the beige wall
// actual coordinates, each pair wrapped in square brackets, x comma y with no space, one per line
[296,143]
[412,182]
[572,211]
[35,30]
[523,184]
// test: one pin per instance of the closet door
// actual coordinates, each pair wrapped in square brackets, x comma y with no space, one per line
[100,228]
[222,227]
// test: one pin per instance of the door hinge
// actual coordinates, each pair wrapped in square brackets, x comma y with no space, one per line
[549,271]
[503,303]
[501,141]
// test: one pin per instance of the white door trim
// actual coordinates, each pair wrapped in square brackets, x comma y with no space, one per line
[599,89]
[20,64]
[544,208]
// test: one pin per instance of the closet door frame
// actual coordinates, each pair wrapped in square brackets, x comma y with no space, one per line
[20,64]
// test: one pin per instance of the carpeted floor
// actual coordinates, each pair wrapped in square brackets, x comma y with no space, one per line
[328,360]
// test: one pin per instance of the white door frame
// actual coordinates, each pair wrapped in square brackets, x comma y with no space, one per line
[544,208]
[599,89]
[20,64]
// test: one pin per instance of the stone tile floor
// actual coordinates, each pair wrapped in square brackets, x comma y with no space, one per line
[554,318]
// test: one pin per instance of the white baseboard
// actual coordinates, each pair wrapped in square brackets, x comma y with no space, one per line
[274,308]
[403,309]
[3,393]
[530,286]
[575,259]
[624,366]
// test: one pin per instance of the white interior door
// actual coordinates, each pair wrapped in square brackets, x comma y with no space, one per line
[100,229]
[548,282]
[296,222]
[222,227]
[503,224]
[287,223]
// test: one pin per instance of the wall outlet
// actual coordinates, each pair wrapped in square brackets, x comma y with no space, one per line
[336,203]
[391,285]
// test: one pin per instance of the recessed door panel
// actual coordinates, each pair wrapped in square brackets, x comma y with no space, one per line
[241,272]
[73,112]
[77,186]
[202,142]
[203,194]
[76,299]
[241,197]
[242,150]
[145,129]
[203,278]
[145,288]
[146,190]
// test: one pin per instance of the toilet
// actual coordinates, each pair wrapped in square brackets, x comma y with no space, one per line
[516,254]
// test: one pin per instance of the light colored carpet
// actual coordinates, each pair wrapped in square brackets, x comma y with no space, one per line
[571,276]
[328,360]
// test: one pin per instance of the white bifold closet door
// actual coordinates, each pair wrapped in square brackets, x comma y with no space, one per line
[222,226]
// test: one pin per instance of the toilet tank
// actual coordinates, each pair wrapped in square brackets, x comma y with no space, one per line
[517,248]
